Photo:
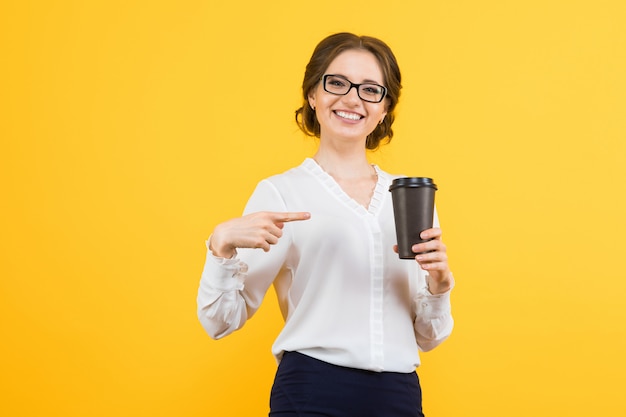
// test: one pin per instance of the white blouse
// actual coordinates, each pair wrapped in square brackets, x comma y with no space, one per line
[346,297]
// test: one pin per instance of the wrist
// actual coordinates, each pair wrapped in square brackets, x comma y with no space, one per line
[221,251]
[440,286]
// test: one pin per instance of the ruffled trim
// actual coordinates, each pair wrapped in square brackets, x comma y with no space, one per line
[329,182]
[380,191]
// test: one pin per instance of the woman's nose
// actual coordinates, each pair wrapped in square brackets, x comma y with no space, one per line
[353,95]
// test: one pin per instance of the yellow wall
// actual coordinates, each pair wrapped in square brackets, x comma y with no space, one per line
[129,129]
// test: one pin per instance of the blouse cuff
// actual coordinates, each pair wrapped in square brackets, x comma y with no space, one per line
[224,274]
[434,305]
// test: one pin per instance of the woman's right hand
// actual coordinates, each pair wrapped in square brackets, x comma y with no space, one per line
[255,230]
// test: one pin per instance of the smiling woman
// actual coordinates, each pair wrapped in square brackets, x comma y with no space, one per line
[130,129]
[318,69]
[355,314]
[344,114]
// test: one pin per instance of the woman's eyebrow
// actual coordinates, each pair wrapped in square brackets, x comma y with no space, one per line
[368,81]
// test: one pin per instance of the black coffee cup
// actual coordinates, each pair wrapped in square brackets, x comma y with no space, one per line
[414,209]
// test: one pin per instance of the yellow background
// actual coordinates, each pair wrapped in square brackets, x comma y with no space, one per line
[129,129]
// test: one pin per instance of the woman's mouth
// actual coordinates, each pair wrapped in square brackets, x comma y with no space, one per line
[348,115]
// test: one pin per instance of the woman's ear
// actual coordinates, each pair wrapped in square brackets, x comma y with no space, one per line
[312,100]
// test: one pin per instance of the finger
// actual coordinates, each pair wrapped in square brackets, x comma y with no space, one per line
[430,246]
[272,239]
[431,257]
[275,229]
[259,243]
[422,248]
[395,248]
[292,216]
[433,233]
[434,266]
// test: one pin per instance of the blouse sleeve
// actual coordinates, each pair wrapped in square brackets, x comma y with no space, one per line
[433,322]
[231,290]
[433,314]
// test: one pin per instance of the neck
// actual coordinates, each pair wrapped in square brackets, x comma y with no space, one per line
[343,163]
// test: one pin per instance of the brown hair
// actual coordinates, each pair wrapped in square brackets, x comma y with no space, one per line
[325,52]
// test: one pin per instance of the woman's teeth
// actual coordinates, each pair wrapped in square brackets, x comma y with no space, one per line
[350,116]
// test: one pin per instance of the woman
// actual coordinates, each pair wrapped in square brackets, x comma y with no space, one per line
[355,314]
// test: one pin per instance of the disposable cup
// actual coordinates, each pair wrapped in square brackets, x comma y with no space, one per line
[413,208]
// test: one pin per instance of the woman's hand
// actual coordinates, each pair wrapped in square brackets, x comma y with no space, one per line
[432,257]
[255,230]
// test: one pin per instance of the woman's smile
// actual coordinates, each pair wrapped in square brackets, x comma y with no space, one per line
[348,115]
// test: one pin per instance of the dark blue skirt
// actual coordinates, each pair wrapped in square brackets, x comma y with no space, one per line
[307,387]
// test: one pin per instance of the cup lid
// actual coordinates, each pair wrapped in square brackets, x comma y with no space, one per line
[412,182]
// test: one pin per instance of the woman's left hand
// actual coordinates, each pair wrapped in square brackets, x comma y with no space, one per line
[433,258]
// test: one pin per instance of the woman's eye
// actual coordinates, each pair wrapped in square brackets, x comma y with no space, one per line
[371,89]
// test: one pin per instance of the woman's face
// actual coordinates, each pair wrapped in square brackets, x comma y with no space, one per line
[347,116]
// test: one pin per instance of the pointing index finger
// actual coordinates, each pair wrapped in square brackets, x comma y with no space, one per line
[293,216]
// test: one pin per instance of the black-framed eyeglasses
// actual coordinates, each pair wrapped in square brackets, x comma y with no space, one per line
[339,85]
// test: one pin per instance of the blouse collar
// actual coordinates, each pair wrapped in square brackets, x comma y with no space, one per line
[329,182]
